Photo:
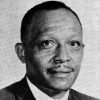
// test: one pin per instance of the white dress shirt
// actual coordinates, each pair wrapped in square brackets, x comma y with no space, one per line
[39,95]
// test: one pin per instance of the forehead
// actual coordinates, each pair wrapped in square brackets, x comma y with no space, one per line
[62,15]
[55,20]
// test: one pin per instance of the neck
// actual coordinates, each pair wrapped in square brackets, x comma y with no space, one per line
[59,96]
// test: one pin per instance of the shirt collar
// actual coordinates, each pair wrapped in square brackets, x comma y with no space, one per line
[39,95]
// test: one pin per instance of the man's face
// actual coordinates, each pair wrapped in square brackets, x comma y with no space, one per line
[56,55]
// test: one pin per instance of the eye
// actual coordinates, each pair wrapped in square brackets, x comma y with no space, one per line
[47,44]
[75,44]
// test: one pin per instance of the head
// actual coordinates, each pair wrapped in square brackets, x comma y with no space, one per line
[52,45]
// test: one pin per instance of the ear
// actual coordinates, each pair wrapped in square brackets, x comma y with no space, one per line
[20,52]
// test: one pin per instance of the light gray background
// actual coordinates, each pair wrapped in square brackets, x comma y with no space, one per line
[12,70]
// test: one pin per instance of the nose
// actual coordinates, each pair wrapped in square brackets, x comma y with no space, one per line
[62,55]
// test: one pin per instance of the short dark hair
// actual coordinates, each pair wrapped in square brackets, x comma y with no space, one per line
[27,19]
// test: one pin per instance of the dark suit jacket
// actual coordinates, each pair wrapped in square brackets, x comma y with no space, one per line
[21,91]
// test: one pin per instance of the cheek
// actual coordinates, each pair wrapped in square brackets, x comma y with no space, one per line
[76,62]
[42,63]
[44,57]
[77,58]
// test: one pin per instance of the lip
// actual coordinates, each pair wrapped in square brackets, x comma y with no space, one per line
[61,74]
[59,71]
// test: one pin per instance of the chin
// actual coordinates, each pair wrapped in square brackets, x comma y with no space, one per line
[61,86]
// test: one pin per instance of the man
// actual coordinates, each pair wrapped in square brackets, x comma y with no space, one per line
[52,49]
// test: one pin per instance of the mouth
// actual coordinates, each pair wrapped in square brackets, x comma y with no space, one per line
[60,72]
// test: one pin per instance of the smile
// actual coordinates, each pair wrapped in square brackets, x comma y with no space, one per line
[59,72]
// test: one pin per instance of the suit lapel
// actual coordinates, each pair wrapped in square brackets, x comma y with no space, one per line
[23,91]
[73,95]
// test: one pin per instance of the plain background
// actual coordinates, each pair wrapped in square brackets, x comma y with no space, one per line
[12,70]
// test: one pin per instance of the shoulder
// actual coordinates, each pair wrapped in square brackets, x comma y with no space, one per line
[12,91]
[80,96]
[5,93]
